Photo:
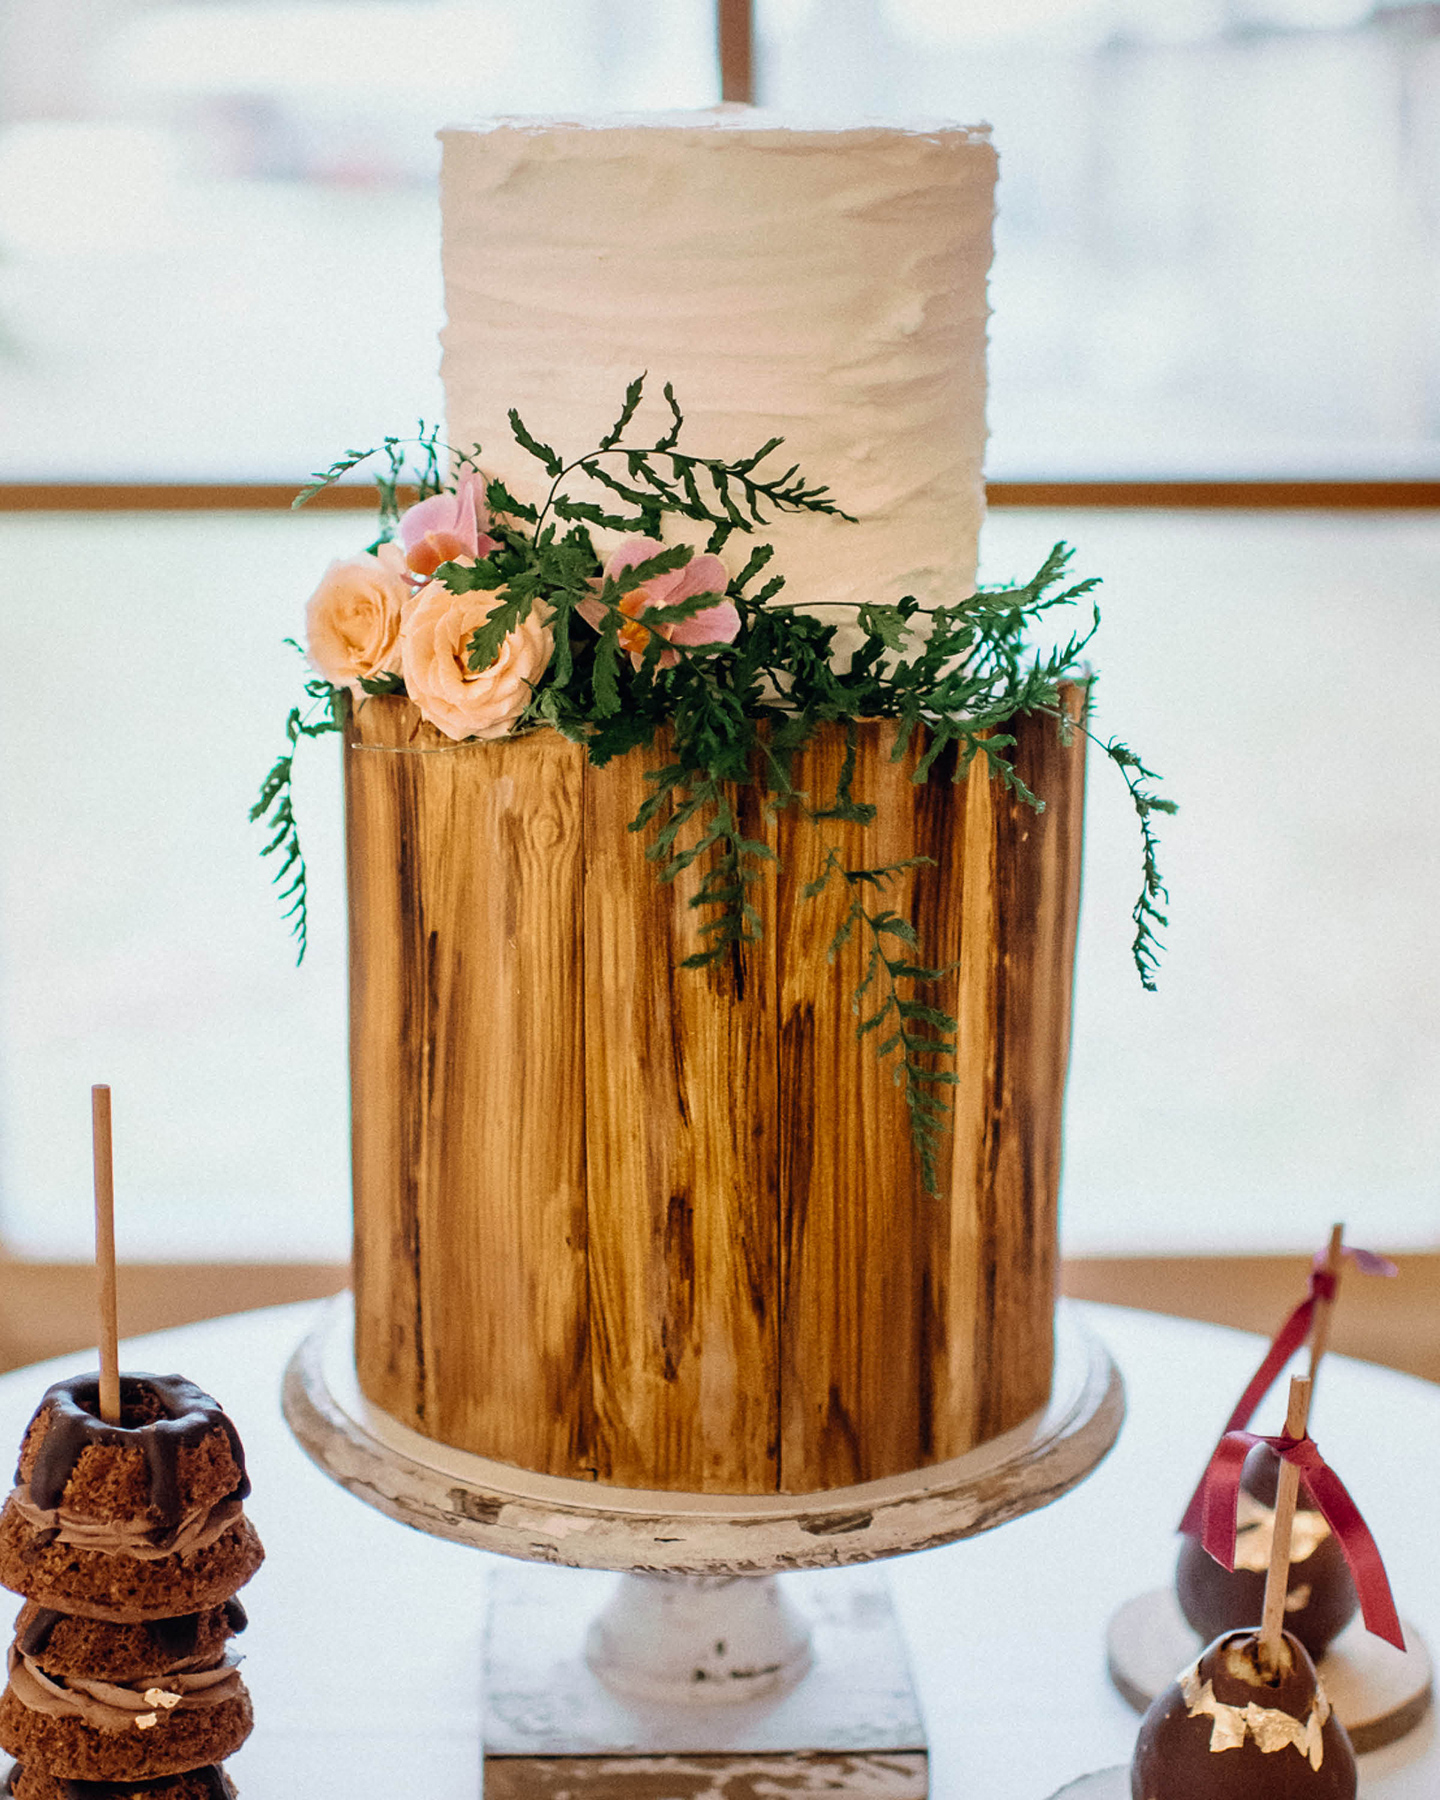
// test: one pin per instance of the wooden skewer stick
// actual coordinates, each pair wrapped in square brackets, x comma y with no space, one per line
[737,50]
[105,1255]
[1320,1322]
[1277,1578]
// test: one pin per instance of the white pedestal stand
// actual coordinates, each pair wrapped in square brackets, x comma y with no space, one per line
[796,1684]
[690,1681]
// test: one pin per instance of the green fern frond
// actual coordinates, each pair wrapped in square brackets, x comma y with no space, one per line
[275,807]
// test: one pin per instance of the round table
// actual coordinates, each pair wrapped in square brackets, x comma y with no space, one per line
[364,1650]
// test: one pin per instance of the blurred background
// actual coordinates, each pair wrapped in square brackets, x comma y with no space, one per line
[1217,261]
[1218,250]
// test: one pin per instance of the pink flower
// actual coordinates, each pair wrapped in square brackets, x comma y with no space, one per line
[701,575]
[435,661]
[352,620]
[446,527]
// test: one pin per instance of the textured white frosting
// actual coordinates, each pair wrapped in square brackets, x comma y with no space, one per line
[823,286]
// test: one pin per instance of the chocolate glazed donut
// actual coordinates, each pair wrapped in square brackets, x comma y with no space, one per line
[161,1414]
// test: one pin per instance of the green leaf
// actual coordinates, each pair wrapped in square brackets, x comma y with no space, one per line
[588,513]
[663,562]
[486,639]
[677,421]
[759,558]
[627,413]
[887,623]
[469,578]
[500,500]
[606,678]
[542,453]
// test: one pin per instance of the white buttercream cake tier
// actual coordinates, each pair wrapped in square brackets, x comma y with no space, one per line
[827,286]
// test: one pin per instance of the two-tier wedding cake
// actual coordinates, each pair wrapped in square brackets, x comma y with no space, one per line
[663,1226]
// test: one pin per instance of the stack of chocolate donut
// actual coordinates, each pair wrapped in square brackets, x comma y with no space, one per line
[129,1542]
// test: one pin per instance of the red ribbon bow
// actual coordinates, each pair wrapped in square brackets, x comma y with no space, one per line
[1220,1490]
[1291,1335]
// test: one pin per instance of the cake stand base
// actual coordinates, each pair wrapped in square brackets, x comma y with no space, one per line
[557,1728]
[495,1506]
[706,1688]
[1378,1692]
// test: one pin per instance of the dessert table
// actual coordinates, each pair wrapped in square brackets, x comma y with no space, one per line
[364,1649]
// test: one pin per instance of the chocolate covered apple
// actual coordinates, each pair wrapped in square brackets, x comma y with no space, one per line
[1320,1598]
[1232,1728]
[1250,1720]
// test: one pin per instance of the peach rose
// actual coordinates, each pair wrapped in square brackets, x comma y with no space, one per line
[446,527]
[435,661]
[718,624]
[352,620]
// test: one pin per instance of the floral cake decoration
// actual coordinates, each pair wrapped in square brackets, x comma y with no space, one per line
[495,616]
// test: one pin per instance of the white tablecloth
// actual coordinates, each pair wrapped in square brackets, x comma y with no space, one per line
[363,1654]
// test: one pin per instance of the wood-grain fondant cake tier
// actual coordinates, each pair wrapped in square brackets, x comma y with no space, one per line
[664,1227]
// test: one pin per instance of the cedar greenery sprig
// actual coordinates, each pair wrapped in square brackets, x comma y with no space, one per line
[275,805]
[923,1034]
[1146,947]
[955,677]
[728,495]
[427,478]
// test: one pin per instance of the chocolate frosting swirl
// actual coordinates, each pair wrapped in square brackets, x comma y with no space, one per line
[128,1537]
[112,1706]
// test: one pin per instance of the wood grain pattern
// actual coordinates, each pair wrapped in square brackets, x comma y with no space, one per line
[1008,923]
[743,1775]
[680,1084]
[468,1086]
[665,1227]
[852,1202]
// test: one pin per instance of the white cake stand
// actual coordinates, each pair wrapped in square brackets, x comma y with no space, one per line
[698,1663]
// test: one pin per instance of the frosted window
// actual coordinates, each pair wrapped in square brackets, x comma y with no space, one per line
[219,239]
[1218,246]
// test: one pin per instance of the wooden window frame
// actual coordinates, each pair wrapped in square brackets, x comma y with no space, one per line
[1289,495]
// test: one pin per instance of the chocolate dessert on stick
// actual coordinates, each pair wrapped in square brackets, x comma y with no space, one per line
[1250,1720]
[1321,1600]
[126,1533]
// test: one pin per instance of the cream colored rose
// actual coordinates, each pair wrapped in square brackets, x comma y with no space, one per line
[434,659]
[352,620]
